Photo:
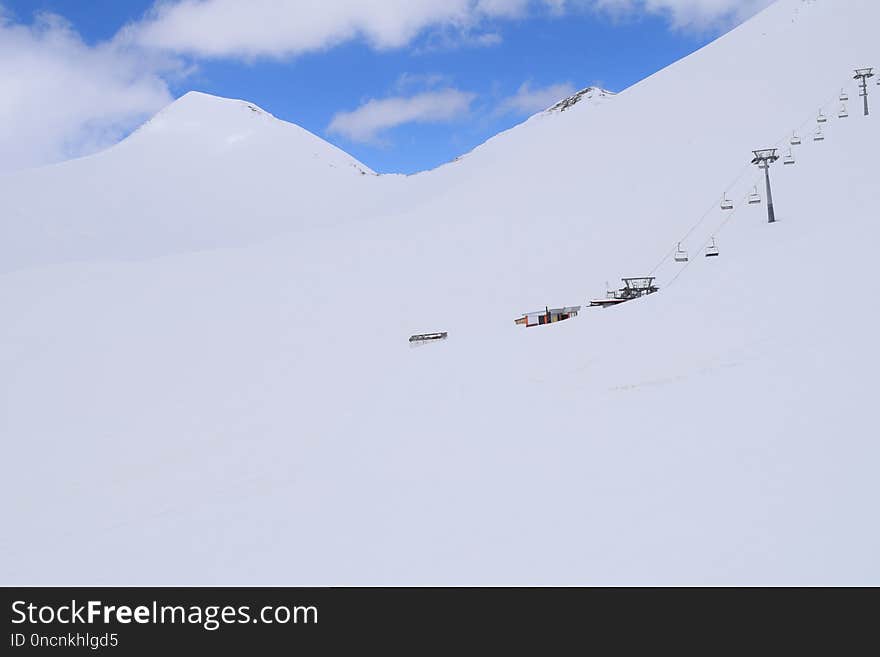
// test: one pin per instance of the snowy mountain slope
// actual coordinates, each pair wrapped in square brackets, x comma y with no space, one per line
[614,186]
[205,172]
[589,96]
[256,414]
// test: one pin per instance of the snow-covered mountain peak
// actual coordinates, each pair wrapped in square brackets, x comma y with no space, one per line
[203,172]
[590,93]
[197,110]
[210,125]
[200,101]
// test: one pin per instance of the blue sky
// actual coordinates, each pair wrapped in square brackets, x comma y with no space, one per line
[441,82]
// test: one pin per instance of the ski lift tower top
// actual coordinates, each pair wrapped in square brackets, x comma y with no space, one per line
[862,74]
[764,158]
[765,155]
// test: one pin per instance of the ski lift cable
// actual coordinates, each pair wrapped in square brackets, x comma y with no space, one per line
[727,219]
[714,235]
[830,103]
[723,223]
[700,221]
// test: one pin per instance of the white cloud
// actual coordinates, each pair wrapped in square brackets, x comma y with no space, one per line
[407,81]
[367,123]
[487,39]
[280,28]
[454,38]
[63,98]
[686,14]
[528,100]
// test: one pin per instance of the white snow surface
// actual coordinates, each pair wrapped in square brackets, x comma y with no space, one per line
[205,373]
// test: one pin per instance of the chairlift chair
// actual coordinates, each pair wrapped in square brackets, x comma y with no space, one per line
[680,254]
[819,136]
[712,249]
[821,118]
[795,139]
[754,197]
[789,158]
[843,113]
[843,96]
[726,203]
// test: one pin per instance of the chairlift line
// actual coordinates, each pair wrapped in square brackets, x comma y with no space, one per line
[641,286]
[763,159]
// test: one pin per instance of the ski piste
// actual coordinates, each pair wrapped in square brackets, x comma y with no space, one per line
[206,370]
